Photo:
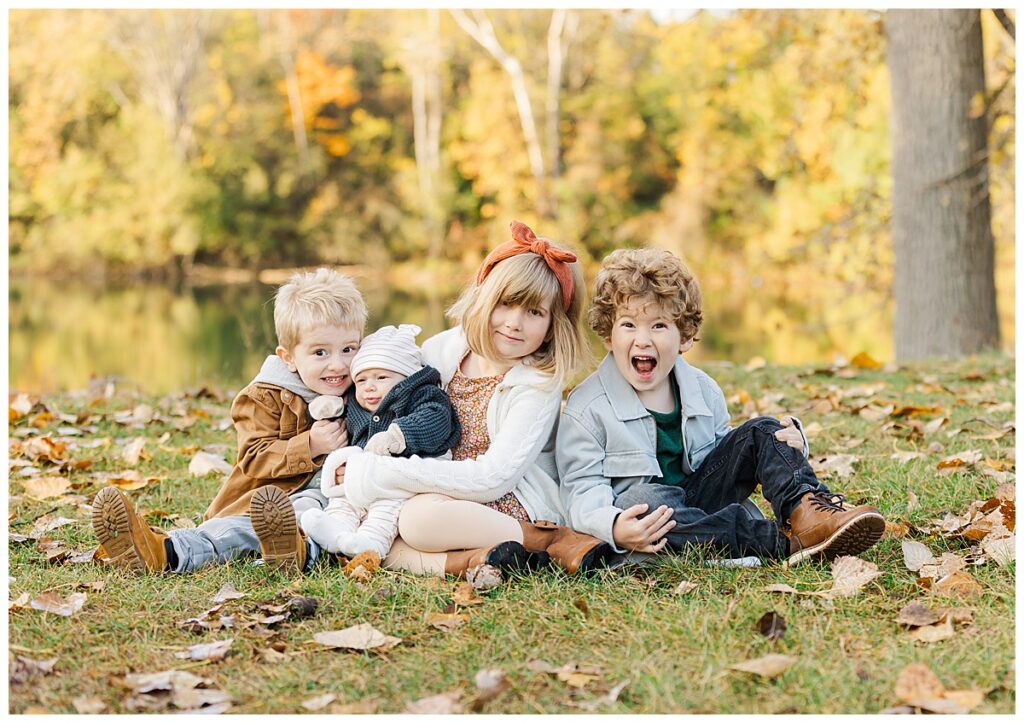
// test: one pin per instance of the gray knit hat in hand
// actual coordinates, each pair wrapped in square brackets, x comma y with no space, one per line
[389,348]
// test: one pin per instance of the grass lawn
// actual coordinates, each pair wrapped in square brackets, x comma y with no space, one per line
[617,642]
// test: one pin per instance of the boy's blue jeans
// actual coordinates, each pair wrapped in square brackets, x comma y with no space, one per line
[707,508]
[228,538]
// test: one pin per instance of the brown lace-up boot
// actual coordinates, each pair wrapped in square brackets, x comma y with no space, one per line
[126,538]
[572,550]
[820,527]
[273,519]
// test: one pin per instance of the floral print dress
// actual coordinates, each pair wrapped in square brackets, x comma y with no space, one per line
[470,397]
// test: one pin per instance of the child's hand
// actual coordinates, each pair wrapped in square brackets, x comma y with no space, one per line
[643,535]
[790,434]
[390,441]
[327,435]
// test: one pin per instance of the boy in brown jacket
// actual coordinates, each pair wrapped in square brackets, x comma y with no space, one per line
[319,319]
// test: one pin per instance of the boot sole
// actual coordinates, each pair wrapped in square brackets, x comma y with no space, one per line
[853,538]
[273,520]
[602,555]
[111,523]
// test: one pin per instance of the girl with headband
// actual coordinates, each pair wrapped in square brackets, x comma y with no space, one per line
[496,502]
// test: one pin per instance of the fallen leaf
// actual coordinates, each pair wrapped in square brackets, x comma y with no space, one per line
[319,702]
[215,650]
[133,451]
[850,574]
[466,596]
[50,602]
[483,577]
[86,705]
[864,360]
[362,566]
[958,583]
[446,621]
[917,681]
[781,587]
[130,480]
[226,592]
[916,554]
[756,363]
[942,630]
[772,626]
[203,463]
[23,669]
[904,457]
[896,529]
[179,688]
[41,488]
[490,683]
[915,614]
[684,587]
[1002,550]
[575,679]
[303,607]
[840,465]
[357,637]
[20,602]
[768,666]
[959,460]
[440,704]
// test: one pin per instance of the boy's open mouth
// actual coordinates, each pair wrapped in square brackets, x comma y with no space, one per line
[333,380]
[644,365]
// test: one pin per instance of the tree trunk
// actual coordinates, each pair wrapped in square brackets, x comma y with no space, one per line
[945,257]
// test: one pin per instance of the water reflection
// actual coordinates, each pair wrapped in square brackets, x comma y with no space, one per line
[164,339]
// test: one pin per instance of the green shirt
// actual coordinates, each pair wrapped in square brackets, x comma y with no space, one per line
[670,441]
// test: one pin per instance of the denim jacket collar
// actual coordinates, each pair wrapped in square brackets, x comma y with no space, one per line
[627,405]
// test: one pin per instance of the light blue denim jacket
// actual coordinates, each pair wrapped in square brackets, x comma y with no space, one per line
[607,441]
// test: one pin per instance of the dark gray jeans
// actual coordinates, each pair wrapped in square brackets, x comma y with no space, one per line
[707,509]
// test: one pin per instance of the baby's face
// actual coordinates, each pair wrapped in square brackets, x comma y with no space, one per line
[372,385]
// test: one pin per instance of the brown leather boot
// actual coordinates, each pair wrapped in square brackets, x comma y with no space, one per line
[508,557]
[820,527]
[273,519]
[128,541]
[572,550]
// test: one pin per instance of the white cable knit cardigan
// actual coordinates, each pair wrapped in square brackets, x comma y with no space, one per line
[521,420]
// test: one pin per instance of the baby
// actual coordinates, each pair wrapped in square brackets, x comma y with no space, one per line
[399,409]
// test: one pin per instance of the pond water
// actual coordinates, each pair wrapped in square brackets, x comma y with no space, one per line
[164,338]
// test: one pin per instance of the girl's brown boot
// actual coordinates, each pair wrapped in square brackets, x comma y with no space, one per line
[507,557]
[572,550]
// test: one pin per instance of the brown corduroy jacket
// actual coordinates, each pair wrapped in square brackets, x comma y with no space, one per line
[273,447]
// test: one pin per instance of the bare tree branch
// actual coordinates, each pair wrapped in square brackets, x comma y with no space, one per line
[1008,25]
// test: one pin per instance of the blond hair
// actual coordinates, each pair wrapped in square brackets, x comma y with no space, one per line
[316,298]
[526,280]
[655,274]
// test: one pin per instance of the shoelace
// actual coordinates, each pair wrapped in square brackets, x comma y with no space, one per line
[828,501]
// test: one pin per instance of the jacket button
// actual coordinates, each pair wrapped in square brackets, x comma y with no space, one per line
[376,417]
[302,465]
[286,396]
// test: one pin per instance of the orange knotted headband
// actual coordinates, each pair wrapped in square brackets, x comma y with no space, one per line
[524,240]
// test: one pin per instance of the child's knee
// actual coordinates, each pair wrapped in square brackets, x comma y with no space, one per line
[653,495]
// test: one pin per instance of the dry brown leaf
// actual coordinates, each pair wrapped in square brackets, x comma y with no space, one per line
[44,449]
[51,602]
[363,566]
[19,405]
[1002,550]
[41,488]
[133,451]
[446,621]
[23,669]
[896,529]
[483,577]
[768,666]
[916,615]
[490,683]
[941,630]
[357,637]
[850,574]
[226,592]
[916,554]
[319,702]
[130,480]
[958,460]
[466,596]
[781,587]
[839,465]
[440,704]
[88,706]
[179,688]
[917,681]
[905,457]
[875,412]
[958,583]
[771,625]
[203,463]
[684,587]
[215,650]
[19,602]
[575,679]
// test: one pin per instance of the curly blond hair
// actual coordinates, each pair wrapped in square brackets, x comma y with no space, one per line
[654,274]
[316,298]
